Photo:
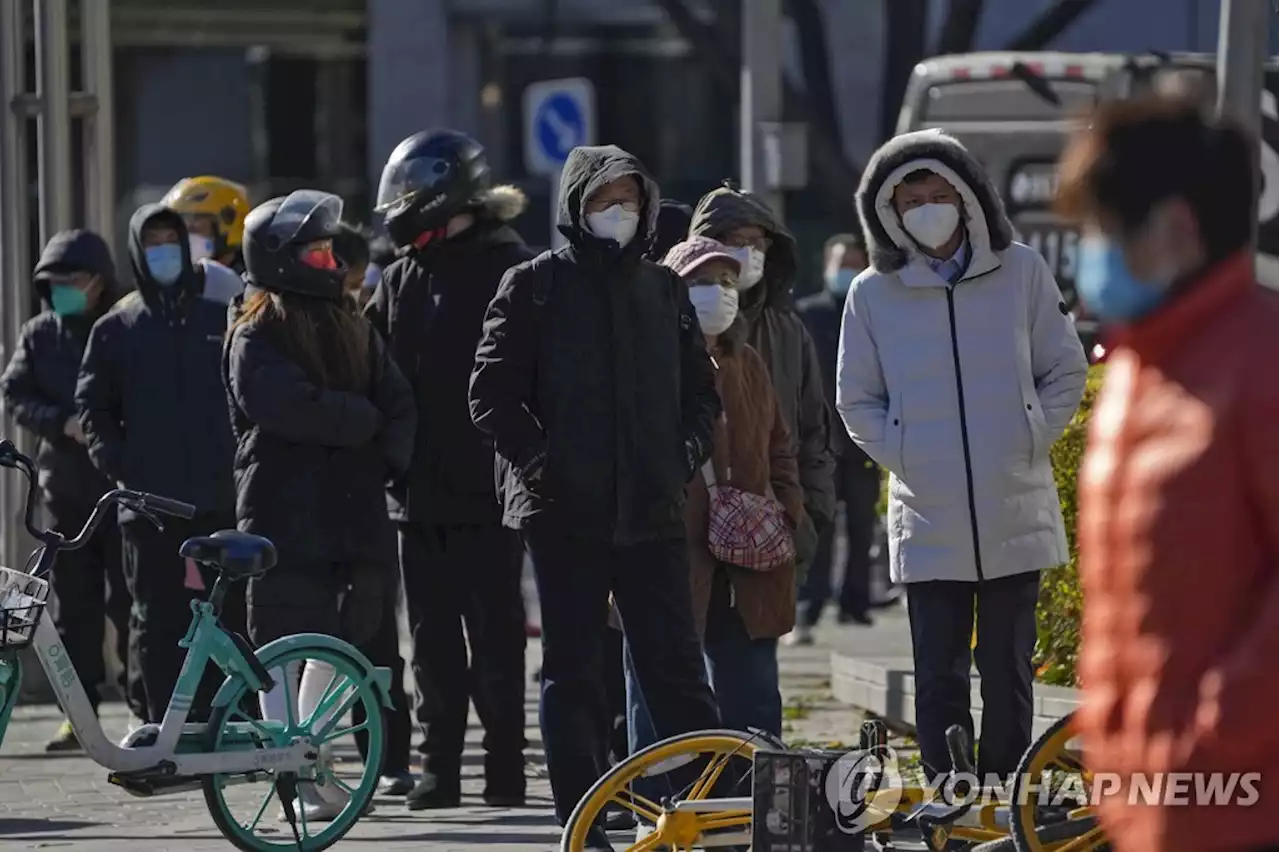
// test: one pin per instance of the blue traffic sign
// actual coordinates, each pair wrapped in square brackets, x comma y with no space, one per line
[559,116]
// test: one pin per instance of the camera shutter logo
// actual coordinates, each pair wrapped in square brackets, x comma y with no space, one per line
[860,789]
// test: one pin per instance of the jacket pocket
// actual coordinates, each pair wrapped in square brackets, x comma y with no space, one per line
[1036,423]
[894,432]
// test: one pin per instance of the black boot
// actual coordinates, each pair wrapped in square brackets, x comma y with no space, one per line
[504,781]
[437,788]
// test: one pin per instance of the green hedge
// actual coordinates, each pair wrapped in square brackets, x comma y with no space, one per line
[1058,614]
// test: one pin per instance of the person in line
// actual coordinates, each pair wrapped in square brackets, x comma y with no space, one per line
[740,612]
[214,209]
[857,478]
[1178,497]
[673,227]
[766,251]
[351,248]
[593,379]
[76,282]
[152,408]
[958,369]
[323,419]
[460,565]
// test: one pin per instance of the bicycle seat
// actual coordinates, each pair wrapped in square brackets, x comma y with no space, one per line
[236,554]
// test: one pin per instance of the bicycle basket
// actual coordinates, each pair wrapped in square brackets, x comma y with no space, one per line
[22,603]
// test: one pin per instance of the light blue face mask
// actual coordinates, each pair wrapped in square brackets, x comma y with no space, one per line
[841,280]
[164,262]
[1107,287]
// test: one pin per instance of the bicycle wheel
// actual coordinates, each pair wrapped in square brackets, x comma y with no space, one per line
[239,811]
[1049,802]
[662,827]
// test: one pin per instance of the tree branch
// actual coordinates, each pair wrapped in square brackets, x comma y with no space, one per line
[1055,20]
[960,27]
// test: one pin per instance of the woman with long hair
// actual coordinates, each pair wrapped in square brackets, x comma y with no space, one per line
[323,420]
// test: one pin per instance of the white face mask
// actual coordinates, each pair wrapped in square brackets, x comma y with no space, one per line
[201,247]
[717,307]
[615,224]
[752,262]
[931,224]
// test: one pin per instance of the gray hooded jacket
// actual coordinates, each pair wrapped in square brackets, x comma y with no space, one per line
[959,390]
[775,330]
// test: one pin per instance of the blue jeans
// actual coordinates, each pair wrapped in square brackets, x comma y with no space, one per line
[743,673]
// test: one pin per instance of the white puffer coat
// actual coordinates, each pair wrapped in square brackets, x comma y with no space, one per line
[958,390]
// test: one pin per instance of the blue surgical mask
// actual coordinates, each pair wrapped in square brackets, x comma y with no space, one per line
[164,262]
[1107,287]
[839,281]
[67,300]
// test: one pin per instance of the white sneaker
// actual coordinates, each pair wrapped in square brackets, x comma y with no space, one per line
[802,634]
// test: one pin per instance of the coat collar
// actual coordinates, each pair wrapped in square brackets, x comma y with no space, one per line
[1174,322]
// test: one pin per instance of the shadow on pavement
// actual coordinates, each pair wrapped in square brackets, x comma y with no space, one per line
[22,825]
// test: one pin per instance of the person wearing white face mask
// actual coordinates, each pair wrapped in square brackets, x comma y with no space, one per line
[592,379]
[740,612]
[766,252]
[958,368]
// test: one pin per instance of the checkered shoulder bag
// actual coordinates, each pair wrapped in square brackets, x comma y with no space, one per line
[747,530]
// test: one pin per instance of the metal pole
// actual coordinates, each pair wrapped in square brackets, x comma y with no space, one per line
[95,39]
[761,96]
[1242,51]
[53,87]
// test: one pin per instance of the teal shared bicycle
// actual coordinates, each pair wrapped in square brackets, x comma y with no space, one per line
[240,761]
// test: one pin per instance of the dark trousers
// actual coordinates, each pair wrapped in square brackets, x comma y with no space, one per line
[941,614]
[155,574]
[858,487]
[614,718]
[650,583]
[455,575]
[88,588]
[384,650]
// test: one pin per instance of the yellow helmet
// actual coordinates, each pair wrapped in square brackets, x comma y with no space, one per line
[225,201]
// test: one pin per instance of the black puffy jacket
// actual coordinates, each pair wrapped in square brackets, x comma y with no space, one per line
[430,307]
[312,462]
[39,385]
[150,392]
[592,359]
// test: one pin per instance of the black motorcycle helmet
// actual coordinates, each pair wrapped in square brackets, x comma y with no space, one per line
[430,177]
[276,233]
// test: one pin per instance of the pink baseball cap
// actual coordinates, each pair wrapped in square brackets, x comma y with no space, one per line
[685,257]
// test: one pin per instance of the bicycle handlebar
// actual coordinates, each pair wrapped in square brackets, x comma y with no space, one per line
[141,502]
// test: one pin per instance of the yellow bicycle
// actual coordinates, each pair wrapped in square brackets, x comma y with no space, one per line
[706,802]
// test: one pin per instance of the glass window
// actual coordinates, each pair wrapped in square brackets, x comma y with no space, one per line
[1005,100]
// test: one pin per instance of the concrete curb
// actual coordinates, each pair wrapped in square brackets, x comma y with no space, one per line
[885,686]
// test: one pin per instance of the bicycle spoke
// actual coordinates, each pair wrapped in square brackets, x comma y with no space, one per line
[342,733]
[347,704]
[262,809]
[1091,840]
[265,731]
[1066,763]
[639,805]
[330,696]
[333,776]
[727,819]
[652,841]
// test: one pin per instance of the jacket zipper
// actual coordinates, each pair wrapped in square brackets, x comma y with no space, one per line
[964,430]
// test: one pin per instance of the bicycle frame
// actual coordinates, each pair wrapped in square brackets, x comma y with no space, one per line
[204,641]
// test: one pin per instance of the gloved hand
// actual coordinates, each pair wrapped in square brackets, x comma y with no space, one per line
[695,453]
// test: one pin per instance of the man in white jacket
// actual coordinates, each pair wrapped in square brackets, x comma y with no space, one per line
[958,368]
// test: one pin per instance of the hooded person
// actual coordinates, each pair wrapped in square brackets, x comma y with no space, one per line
[76,282]
[767,252]
[323,420]
[593,379]
[958,368]
[460,565]
[857,479]
[154,415]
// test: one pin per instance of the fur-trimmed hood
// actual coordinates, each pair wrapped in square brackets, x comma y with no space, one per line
[503,203]
[890,249]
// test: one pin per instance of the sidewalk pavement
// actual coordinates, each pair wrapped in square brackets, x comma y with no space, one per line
[65,802]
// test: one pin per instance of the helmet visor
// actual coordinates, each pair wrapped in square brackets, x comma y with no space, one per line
[402,180]
[307,215]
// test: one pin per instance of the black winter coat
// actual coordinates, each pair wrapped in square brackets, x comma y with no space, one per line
[776,332]
[39,385]
[821,314]
[430,307]
[311,462]
[150,392]
[601,400]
